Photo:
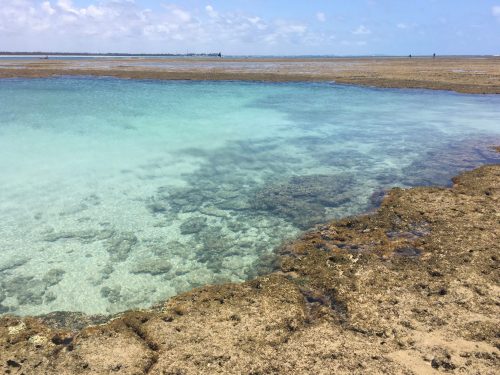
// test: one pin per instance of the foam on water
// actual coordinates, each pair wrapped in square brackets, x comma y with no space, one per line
[117,194]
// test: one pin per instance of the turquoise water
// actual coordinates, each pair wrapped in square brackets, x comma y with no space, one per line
[117,194]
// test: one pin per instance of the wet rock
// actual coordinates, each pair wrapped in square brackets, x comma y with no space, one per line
[443,362]
[265,264]
[481,331]
[189,208]
[33,296]
[408,252]
[236,226]
[157,207]
[215,264]
[212,211]
[212,238]
[15,284]
[92,200]
[53,277]
[227,193]
[84,236]
[72,320]
[303,199]
[437,166]
[107,271]
[349,158]
[174,248]
[26,289]
[120,246]
[153,266]
[184,200]
[50,297]
[215,247]
[111,294]
[13,263]
[212,252]
[377,197]
[14,364]
[234,204]
[193,225]
[204,256]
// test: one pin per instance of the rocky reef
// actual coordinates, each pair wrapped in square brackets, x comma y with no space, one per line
[29,289]
[303,200]
[461,74]
[409,289]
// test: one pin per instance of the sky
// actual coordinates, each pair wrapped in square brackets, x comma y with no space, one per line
[253,27]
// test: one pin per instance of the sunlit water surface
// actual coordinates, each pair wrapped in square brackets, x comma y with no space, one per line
[117,194]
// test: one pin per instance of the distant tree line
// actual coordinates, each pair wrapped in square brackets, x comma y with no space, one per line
[104,54]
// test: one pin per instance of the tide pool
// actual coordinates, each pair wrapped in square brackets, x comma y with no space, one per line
[117,194]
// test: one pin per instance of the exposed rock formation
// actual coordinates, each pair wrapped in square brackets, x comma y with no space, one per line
[461,74]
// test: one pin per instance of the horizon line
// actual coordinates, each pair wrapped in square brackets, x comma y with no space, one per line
[215,54]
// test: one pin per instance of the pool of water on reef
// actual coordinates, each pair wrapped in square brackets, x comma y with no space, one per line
[117,194]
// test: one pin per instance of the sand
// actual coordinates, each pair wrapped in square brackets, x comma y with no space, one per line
[461,74]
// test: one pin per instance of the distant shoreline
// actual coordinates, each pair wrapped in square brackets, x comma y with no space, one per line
[472,75]
[83,54]
[216,54]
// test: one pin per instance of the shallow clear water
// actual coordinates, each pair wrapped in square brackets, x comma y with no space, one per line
[117,194]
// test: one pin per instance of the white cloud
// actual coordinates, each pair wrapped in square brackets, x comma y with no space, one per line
[211,11]
[179,13]
[361,30]
[284,31]
[92,11]
[358,43]
[321,17]
[125,25]
[286,27]
[495,10]
[67,6]
[402,26]
[47,8]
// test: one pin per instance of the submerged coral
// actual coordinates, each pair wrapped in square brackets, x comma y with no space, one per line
[28,290]
[303,200]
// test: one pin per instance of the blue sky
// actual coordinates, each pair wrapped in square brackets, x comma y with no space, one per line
[355,27]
